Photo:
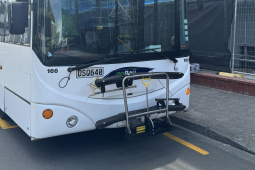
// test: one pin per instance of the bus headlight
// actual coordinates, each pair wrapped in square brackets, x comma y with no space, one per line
[71,121]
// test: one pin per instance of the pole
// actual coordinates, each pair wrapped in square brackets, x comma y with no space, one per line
[234,38]
[245,34]
[155,21]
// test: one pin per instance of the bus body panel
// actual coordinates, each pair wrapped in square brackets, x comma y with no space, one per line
[17,82]
[56,125]
[18,110]
[2,87]
[45,89]
[15,72]
[15,56]
[78,87]
[45,85]
[184,67]
[102,108]
[183,96]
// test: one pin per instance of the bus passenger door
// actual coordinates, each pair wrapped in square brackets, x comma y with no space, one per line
[1,87]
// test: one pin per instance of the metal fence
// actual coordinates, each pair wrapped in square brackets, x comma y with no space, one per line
[243,51]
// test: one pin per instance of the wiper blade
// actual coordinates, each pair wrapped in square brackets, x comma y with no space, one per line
[120,55]
[158,53]
[169,58]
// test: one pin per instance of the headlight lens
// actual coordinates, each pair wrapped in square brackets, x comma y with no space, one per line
[71,121]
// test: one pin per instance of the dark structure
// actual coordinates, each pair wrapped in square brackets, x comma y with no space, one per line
[210,32]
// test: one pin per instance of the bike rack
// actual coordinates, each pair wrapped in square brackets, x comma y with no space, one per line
[148,112]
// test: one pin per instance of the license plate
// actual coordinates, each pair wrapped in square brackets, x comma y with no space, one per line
[90,72]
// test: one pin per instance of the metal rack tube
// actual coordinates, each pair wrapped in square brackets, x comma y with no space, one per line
[145,113]
[125,97]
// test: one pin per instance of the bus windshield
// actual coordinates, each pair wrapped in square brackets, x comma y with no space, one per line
[79,31]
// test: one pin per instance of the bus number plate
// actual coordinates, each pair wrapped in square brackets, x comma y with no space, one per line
[90,72]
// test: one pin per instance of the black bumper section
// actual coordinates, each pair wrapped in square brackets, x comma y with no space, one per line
[122,116]
[142,135]
[117,79]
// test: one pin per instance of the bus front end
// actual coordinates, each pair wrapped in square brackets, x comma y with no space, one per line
[108,64]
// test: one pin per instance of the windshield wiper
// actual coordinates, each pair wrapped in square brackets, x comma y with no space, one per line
[173,59]
[120,55]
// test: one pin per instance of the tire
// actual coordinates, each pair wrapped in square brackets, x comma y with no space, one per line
[2,114]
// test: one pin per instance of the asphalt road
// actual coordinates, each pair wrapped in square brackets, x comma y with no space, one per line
[108,149]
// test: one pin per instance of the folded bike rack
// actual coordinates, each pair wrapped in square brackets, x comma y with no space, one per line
[148,126]
[148,112]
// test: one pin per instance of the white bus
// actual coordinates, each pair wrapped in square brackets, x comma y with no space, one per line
[69,66]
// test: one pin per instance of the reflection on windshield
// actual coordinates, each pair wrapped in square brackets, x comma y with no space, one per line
[96,28]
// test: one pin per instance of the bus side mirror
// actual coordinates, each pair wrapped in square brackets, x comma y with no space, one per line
[17,17]
[200,5]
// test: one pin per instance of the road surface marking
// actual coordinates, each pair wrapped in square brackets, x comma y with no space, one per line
[5,125]
[195,148]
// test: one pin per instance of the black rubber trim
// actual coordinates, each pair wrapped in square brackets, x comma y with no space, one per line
[119,78]
[18,95]
[100,124]
[163,99]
